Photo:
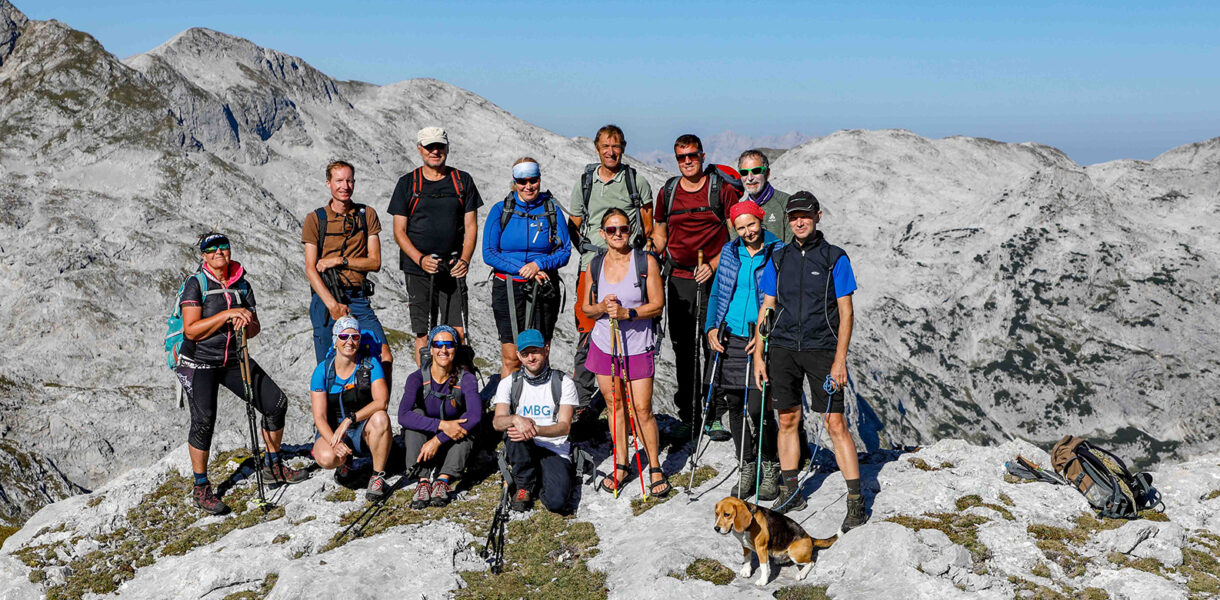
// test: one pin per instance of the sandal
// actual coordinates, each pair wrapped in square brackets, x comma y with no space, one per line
[607,482]
[652,488]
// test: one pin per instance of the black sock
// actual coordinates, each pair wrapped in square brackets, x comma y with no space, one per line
[789,477]
[201,478]
[853,486]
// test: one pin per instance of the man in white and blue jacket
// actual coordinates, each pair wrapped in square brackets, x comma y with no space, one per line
[732,312]
[525,242]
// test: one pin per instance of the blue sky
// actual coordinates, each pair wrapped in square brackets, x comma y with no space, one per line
[1099,80]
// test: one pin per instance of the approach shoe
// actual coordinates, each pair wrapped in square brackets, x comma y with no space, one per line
[378,488]
[206,500]
[440,493]
[745,482]
[282,473]
[855,514]
[717,433]
[768,488]
[423,494]
[789,500]
[522,501]
[345,474]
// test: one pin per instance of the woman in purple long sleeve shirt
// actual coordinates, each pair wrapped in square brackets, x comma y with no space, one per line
[437,415]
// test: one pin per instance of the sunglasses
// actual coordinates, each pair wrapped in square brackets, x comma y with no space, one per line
[527,180]
[688,156]
[211,249]
[754,171]
[443,345]
[437,148]
[343,337]
[614,230]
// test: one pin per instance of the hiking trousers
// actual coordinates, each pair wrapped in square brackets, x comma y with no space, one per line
[451,456]
[684,327]
[202,384]
[527,460]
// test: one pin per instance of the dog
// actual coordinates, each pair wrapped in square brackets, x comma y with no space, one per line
[767,534]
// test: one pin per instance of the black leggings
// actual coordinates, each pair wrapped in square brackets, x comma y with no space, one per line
[203,385]
[730,401]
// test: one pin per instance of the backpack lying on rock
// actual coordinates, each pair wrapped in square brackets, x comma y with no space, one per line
[1104,480]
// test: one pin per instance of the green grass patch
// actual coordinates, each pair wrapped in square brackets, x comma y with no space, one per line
[1041,570]
[707,569]
[679,481]
[1213,495]
[1154,515]
[921,464]
[340,494]
[545,557]
[961,529]
[6,531]
[1006,500]
[162,524]
[975,500]
[94,501]
[1028,589]
[399,339]
[474,510]
[947,465]
[262,591]
[1202,569]
[1059,544]
[1010,478]
[802,592]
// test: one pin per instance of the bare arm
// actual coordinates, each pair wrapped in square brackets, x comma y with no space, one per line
[656,292]
[563,423]
[503,420]
[469,241]
[660,235]
[195,328]
[317,401]
[592,309]
[838,369]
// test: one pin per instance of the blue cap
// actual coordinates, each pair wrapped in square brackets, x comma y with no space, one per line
[530,338]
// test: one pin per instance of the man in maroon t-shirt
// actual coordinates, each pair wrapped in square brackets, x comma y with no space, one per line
[685,222]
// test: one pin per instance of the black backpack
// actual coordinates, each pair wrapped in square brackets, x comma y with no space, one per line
[510,210]
[637,204]
[330,277]
[417,187]
[718,179]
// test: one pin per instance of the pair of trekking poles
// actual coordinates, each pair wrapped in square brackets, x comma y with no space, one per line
[764,331]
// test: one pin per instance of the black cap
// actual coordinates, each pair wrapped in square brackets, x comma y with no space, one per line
[802,201]
[212,239]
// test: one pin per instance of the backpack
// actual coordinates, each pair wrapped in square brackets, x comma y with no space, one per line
[641,273]
[174,329]
[361,227]
[417,186]
[518,383]
[510,210]
[637,204]
[363,377]
[1104,480]
[720,175]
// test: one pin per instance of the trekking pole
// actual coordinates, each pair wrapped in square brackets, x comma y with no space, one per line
[613,429]
[745,415]
[694,458]
[631,416]
[255,448]
[493,548]
[374,508]
[764,331]
[696,373]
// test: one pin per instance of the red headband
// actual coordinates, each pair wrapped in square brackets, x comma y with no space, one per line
[745,207]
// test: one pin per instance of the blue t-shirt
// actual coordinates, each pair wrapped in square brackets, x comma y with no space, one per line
[318,381]
[743,306]
[844,278]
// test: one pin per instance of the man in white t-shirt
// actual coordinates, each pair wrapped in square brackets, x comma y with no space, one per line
[534,408]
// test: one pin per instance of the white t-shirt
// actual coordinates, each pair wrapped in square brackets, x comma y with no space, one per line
[536,403]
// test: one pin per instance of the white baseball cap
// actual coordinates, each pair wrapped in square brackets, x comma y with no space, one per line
[432,135]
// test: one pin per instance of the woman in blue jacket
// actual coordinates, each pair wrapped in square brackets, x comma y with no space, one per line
[733,308]
[525,243]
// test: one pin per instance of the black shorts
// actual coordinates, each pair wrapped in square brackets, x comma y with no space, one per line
[447,292]
[545,313]
[787,369]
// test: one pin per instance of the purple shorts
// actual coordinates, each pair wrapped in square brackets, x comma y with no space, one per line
[639,366]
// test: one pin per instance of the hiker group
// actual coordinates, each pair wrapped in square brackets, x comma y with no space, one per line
[752,297]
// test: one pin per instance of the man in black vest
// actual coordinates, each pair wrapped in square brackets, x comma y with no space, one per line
[809,284]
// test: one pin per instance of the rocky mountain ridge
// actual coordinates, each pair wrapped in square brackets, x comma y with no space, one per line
[1005,290]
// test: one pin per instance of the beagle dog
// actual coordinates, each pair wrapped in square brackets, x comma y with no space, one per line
[767,534]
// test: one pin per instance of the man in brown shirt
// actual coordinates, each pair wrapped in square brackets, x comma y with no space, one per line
[337,261]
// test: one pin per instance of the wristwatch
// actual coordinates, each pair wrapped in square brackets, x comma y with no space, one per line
[632,314]
[345,261]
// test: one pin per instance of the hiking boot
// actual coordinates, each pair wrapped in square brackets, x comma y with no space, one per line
[789,500]
[522,501]
[378,488]
[745,482]
[440,493]
[206,500]
[282,473]
[768,488]
[855,514]
[344,474]
[423,493]
[717,433]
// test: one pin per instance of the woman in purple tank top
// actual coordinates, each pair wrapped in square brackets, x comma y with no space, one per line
[620,296]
